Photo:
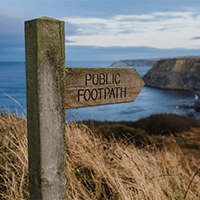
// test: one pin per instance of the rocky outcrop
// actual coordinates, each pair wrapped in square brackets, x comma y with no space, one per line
[136,62]
[175,73]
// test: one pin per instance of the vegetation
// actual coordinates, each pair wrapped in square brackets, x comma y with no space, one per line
[106,166]
[155,124]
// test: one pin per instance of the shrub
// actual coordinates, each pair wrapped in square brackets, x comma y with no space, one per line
[156,124]
[123,133]
[166,123]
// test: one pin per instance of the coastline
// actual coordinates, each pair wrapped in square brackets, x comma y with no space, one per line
[195,106]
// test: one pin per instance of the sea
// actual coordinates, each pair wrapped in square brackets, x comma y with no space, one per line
[149,101]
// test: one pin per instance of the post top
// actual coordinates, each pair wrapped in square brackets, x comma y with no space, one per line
[43,18]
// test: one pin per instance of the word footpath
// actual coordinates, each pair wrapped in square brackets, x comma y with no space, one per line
[107,92]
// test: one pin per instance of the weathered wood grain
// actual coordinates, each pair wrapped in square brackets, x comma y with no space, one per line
[100,86]
[45,75]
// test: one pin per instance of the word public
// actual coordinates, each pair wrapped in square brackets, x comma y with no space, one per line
[101,91]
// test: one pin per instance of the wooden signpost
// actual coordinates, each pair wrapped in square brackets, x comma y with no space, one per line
[51,89]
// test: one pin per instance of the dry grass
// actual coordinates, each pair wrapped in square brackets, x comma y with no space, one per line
[98,169]
[13,158]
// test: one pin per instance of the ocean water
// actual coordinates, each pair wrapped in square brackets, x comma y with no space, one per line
[149,101]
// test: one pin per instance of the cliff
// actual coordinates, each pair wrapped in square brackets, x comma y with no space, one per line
[136,62]
[175,73]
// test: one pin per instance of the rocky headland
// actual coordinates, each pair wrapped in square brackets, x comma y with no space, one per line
[175,73]
[135,62]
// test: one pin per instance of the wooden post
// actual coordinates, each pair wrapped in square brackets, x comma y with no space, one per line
[45,80]
[50,90]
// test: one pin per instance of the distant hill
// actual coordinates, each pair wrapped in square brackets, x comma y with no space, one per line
[135,62]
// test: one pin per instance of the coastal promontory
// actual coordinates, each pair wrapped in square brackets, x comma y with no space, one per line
[175,73]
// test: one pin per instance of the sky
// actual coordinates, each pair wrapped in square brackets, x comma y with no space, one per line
[108,30]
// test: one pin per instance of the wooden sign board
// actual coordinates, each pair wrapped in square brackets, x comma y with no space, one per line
[100,86]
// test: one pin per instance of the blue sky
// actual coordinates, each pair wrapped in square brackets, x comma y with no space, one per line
[107,29]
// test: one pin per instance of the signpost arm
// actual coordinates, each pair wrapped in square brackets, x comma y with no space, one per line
[45,80]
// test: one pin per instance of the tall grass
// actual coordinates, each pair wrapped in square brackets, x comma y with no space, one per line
[101,169]
[13,157]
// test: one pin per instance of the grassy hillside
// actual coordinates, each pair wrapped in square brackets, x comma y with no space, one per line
[105,167]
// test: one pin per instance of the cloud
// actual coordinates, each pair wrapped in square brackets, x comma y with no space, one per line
[12,26]
[120,53]
[132,17]
[68,41]
[70,29]
[196,38]
[12,45]
[12,42]
[12,22]
[157,30]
